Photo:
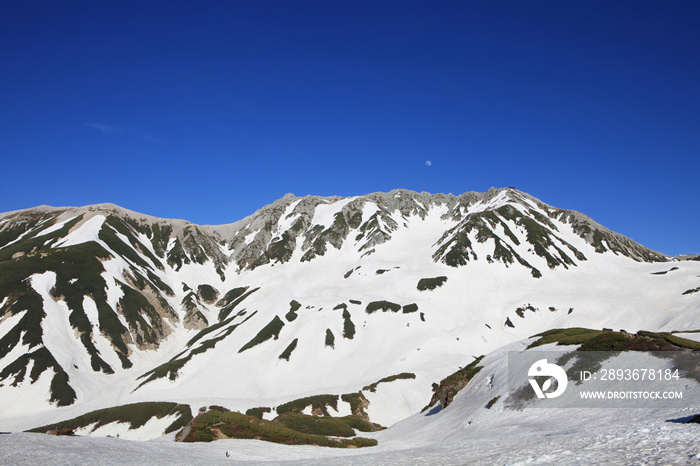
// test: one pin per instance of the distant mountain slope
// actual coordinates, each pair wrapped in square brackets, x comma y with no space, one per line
[101,306]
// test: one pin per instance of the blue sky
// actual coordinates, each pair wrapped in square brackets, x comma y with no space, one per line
[209,110]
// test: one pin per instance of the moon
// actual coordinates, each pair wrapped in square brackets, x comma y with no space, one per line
[428,163]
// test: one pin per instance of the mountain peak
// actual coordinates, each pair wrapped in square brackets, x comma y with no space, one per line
[305,282]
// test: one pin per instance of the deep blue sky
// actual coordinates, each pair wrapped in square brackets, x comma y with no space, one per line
[209,110]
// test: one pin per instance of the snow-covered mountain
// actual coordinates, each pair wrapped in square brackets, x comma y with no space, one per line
[101,306]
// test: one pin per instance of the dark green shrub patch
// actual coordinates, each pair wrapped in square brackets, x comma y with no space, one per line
[348,326]
[674,340]
[448,387]
[215,424]
[229,307]
[360,423]
[271,330]
[607,340]
[210,329]
[288,351]
[293,308]
[207,293]
[319,425]
[492,402]
[171,368]
[294,305]
[404,375]
[431,283]
[136,415]
[330,338]
[521,310]
[40,360]
[566,336]
[408,308]
[258,412]
[358,403]
[383,306]
[231,296]
[319,404]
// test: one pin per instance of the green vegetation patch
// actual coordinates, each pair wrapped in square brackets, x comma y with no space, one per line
[133,252]
[360,423]
[330,338]
[565,336]
[609,342]
[431,283]
[271,330]
[492,402]
[215,424]
[258,412]
[40,360]
[134,306]
[408,308]
[207,293]
[136,415]
[228,303]
[457,250]
[383,306]
[358,403]
[30,221]
[42,243]
[521,310]
[78,270]
[448,387]
[210,329]
[172,368]
[294,306]
[319,404]
[404,375]
[324,425]
[348,326]
[288,351]
[319,425]
[231,296]
[596,346]
[671,338]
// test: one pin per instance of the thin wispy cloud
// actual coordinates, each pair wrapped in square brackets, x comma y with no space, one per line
[107,129]
[111,129]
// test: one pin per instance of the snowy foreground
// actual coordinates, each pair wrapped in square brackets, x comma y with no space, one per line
[466,432]
[637,438]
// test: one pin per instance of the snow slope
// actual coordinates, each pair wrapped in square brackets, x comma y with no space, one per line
[466,432]
[145,307]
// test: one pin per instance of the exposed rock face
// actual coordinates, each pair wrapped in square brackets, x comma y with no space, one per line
[275,232]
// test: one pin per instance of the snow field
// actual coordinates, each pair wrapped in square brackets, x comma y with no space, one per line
[463,319]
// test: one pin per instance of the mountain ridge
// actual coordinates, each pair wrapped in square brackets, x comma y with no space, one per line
[290,197]
[103,293]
